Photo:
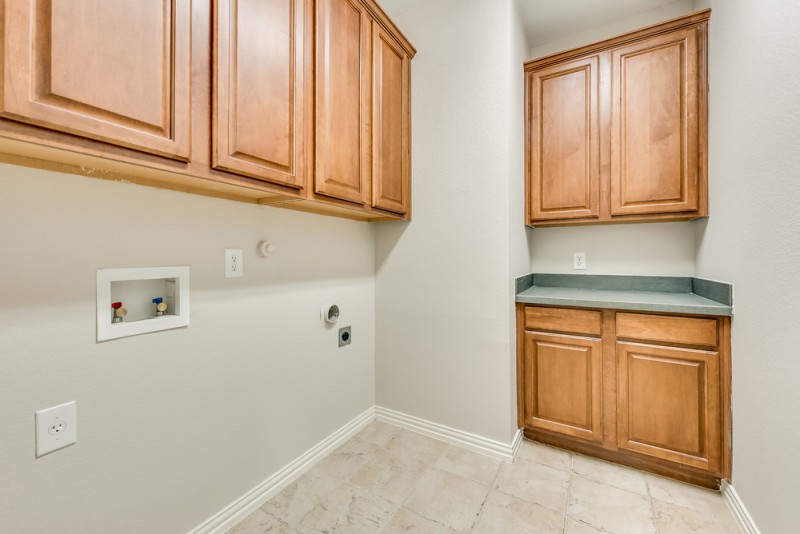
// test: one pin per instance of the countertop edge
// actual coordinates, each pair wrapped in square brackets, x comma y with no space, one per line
[722,310]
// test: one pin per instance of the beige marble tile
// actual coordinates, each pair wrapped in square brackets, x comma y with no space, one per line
[389,475]
[545,455]
[699,499]
[349,509]
[575,527]
[348,458]
[417,446]
[611,474]
[535,483]
[378,433]
[405,520]
[300,497]
[448,499]
[673,519]
[260,522]
[468,464]
[504,514]
[608,508]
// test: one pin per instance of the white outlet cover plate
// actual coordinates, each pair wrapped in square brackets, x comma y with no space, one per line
[63,416]
[234,263]
[579,260]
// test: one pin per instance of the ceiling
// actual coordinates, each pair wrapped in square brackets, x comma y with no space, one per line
[546,20]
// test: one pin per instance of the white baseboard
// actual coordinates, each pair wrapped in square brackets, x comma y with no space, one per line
[247,503]
[738,509]
[480,444]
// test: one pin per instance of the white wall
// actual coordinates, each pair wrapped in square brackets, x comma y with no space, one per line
[663,249]
[637,249]
[175,425]
[519,234]
[618,27]
[442,282]
[752,240]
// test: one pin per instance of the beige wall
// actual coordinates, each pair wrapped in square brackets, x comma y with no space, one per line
[442,282]
[624,25]
[753,240]
[172,426]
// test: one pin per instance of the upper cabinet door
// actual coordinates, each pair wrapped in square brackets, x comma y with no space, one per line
[563,146]
[654,138]
[116,71]
[391,157]
[342,106]
[259,86]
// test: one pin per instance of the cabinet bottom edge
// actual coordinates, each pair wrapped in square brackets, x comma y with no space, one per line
[663,468]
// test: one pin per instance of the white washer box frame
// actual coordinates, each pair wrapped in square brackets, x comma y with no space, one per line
[107,330]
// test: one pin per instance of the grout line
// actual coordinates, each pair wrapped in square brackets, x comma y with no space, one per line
[569,490]
[650,500]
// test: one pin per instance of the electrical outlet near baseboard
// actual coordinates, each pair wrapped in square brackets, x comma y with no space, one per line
[56,428]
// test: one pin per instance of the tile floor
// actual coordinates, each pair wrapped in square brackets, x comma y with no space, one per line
[389,480]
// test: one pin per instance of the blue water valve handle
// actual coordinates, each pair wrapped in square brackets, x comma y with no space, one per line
[158,300]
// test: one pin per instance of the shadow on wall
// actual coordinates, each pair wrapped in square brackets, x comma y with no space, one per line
[387,235]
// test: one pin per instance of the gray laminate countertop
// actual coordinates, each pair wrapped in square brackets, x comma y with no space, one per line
[670,294]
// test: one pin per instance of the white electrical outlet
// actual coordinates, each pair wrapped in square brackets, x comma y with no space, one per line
[579,260]
[234,263]
[56,428]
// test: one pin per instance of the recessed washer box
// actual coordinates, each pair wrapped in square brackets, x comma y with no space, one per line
[136,288]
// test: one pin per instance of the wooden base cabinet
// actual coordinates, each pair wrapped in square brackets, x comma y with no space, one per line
[616,131]
[653,391]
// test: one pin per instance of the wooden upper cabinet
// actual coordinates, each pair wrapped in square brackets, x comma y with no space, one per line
[669,404]
[616,131]
[260,85]
[654,126]
[117,72]
[564,140]
[391,156]
[342,100]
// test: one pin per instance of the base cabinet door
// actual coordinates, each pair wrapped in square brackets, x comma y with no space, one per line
[563,384]
[668,404]
[111,71]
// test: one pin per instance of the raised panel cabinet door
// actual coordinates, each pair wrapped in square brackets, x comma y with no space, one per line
[118,72]
[563,384]
[259,89]
[342,100]
[654,123]
[563,140]
[391,157]
[669,404]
